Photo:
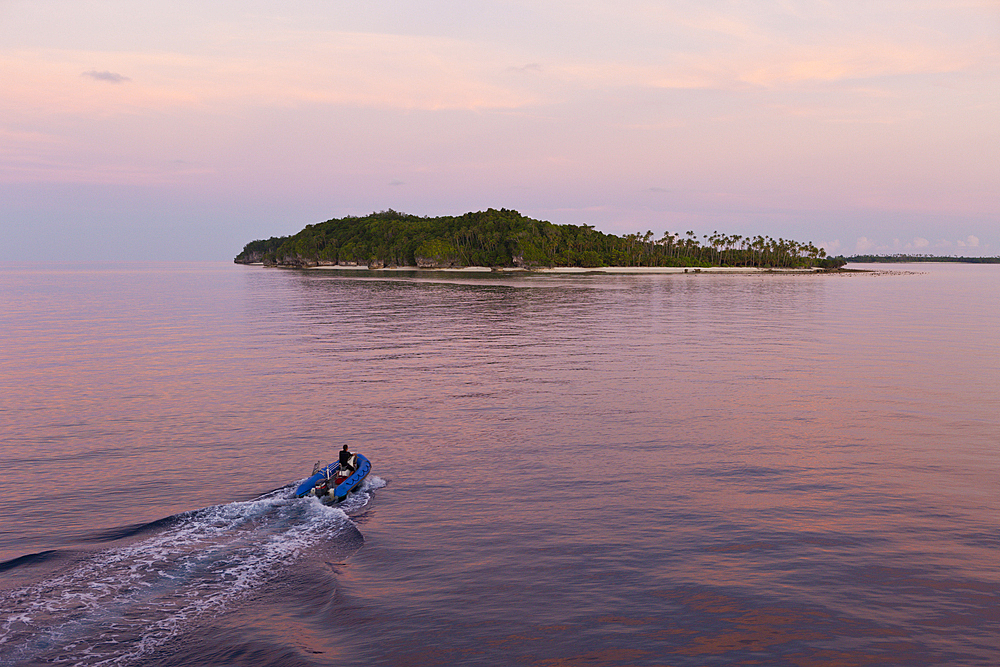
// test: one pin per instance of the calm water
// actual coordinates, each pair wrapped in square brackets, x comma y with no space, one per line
[631,470]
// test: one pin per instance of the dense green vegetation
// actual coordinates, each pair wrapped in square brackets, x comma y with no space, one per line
[506,238]
[898,259]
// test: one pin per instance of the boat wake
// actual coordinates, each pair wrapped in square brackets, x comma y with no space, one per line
[119,605]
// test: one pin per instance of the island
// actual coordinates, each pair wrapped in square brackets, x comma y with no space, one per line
[910,259]
[506,240]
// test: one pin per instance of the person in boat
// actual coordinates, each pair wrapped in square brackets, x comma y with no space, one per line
[346,460]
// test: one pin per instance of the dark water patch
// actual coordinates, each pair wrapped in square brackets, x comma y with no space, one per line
[741,472]
[720,626]
[773,545]
[28,560]
[277,625]
[234,649]
[990,541]
[135,530]
[685,626]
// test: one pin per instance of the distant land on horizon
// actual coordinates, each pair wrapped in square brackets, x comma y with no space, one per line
[506,239]
[901,259]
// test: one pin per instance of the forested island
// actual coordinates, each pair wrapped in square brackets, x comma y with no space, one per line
[906,259]
[506,239]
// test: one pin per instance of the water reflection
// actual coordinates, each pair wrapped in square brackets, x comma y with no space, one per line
[637,470]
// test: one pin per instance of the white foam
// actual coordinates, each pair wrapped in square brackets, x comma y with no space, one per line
[373,482]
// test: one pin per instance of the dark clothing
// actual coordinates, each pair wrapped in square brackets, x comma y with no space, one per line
[345,459]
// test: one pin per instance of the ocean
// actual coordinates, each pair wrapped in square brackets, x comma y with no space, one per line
[599,470]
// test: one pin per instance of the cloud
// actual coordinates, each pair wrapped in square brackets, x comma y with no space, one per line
[863,245]
[297,69]
[110,77]
[863,59]
[831,247]
[305,65]
[970,241]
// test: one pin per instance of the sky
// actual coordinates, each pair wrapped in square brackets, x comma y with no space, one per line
[183,130]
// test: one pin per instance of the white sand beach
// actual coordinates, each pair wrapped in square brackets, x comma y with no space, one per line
[580,270]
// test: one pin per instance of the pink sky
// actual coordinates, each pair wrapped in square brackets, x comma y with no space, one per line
[183,130]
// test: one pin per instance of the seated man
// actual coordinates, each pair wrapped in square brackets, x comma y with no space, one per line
[346,460]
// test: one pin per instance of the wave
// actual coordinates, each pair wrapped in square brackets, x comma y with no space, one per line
[119,605]
[27,559]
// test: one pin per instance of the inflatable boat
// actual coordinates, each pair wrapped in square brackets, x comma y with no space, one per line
[332,483]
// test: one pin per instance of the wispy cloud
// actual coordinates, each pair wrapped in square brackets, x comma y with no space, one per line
[110,77]
[864,59]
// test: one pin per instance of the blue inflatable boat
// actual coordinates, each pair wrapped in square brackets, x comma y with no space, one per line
[331,483]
